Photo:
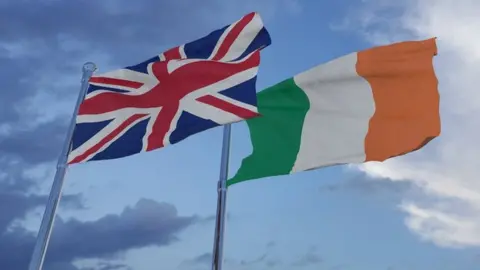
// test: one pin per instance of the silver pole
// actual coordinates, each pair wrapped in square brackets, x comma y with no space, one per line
[43,237]
[221,201]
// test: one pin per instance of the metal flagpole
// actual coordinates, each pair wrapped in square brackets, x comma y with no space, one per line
[221,201]
[46,226]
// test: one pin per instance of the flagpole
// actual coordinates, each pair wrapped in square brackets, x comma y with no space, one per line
[217,259]
[43,237]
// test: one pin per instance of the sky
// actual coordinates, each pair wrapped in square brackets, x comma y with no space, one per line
[156,210]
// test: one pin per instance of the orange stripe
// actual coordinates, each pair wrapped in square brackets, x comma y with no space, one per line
[405,91]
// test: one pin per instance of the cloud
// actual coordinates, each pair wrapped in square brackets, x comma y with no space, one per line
[19,196]
[212,218]
[34,145]
[267,259]
[204,259]
[271,244]
[367,185]
[14,204]
[340,267]
[148,223]
[446,170]
[263,260]
[99,266]
[311,257]
[260,259]
[113,266]
[123,30]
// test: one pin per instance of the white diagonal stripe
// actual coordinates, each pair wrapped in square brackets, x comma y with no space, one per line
[235,102]
[153,118]
[245,38]
[123,113]
[221,39]
[100,136]
[208,112]
[226,83]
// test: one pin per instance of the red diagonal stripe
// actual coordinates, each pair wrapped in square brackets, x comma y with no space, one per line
[172,54]
[226,106]
[116,82]
[109,101]
[233,35]
[107,138]
[161,126]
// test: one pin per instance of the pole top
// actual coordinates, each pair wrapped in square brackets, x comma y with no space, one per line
[89,67]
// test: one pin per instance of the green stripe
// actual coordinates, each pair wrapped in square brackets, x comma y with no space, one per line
[276,134]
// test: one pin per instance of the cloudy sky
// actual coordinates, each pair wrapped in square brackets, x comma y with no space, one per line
[155,210]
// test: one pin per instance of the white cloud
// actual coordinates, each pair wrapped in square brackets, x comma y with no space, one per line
[448,169]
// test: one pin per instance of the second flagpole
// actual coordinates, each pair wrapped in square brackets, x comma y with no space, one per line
[217,259]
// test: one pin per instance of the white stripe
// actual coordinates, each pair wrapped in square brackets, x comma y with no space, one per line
[181,51]
[148,81]
[208,112]
[235,102]
[153,117]
[341,105]
[205,111]
[131,91]
[172,127]
[242,59]
[100,136]
[221,39]
[125,74]
[173,65]
[245,38]
[123,113]
[226,83]
[138,92]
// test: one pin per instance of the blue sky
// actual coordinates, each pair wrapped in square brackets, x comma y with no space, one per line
[154,210]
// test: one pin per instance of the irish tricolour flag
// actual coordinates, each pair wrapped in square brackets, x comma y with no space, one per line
[366,106]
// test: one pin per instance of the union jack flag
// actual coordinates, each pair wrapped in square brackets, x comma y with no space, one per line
[188,89]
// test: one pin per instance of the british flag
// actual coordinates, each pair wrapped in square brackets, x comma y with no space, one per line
[181,92]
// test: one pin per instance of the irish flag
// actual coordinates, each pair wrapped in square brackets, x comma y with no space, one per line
[365,106]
